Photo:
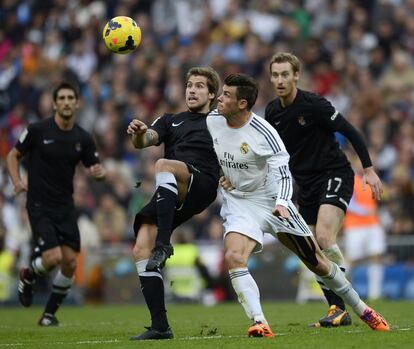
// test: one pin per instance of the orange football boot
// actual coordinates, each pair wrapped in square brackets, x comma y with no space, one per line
[259,329]
[374,320]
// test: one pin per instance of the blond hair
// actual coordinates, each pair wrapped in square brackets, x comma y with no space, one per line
[283,57]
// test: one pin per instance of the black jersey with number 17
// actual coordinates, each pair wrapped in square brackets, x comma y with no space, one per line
[186,138]
[307,127]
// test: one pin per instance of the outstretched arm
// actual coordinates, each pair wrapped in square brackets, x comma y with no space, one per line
[141,136]
[13,167]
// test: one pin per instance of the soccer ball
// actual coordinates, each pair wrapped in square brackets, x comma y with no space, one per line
[122,35]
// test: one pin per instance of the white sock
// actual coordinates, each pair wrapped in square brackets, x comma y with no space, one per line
[375,276]
[141,265]
[337,282]
[334,254]
[248,293]
[37,266]
[61,283]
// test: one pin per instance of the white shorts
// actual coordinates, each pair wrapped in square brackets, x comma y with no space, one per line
[252,216]
[363,242]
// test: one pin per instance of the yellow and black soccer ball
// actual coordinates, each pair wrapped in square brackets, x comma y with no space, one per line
[122,35]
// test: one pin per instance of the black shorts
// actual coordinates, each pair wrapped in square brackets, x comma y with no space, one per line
[201,193]
[334,187]
[52,227]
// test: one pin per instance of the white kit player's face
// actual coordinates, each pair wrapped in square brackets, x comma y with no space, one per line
[197,96]
[283,79]
[66,103]
[228,105]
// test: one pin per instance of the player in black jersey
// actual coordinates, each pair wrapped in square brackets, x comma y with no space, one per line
[307,124]
[53,148]
[186,183]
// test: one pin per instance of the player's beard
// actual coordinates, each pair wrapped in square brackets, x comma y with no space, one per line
[197,109]
[65,114]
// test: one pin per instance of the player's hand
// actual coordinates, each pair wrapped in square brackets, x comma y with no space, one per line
[225,183]
[20,187]
[137,127]
[371,178]
[97,171]
[281,211]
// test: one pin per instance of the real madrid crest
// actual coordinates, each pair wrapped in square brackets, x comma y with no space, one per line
[78,146]
[302,120]
[244,148]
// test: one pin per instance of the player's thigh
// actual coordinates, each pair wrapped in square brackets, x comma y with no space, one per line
[43,230]
[337,187]
[201,192]
[239,244]
[66,222]
[295,224]
[329,223]
[244,217]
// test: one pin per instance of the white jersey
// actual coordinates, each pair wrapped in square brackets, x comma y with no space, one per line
[252,157]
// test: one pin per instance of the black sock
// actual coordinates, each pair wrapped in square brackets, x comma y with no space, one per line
[60,288]
[153,290]
[54,302]
[332,297]
[166,201]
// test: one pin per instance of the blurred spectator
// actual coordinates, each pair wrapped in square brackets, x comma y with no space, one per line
[110,219]
[6,267]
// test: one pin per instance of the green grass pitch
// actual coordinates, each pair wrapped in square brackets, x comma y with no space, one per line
[195,326]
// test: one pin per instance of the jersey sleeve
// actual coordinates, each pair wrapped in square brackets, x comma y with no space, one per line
[160,125]
[26,140]
[271,146]
[90,154]
[326,115]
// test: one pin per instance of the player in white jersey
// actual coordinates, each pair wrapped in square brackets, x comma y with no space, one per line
[254,159]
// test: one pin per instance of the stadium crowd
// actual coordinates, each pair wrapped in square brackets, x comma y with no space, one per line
[358,54]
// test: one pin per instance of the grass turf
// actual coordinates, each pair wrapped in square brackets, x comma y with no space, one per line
[196,326]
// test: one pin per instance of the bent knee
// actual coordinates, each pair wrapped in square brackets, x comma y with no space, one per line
[162,165]
[234,259]
[325,238]
[141,252]
[51,260]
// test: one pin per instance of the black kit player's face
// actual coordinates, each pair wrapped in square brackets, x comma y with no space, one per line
[197,96]
[283,79]
[66,104]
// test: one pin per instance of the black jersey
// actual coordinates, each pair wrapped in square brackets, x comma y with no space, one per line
[307,127]
[186,138]
[52,155]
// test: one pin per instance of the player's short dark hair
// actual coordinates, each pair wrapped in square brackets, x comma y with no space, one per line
[65,85]
[213,80]
[246,87]
[286,57]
